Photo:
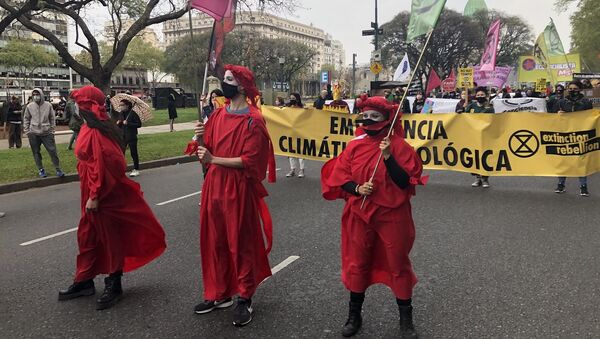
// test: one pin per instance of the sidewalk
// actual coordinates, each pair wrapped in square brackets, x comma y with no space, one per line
[63,137]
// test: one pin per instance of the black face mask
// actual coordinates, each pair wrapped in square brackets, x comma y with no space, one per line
[481,100]
[366,122]
[573,94]
[229,91]
[373,133]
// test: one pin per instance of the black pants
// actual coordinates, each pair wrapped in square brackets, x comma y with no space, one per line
[14,135]
[132,144]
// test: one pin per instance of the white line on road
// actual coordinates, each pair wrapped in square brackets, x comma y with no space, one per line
[49,237]
[176,199]
[284,263]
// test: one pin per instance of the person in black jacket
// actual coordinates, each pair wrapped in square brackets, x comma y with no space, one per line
[320,102]
[129,122]
[559,94]
[573,102]
[172,111]
[15,121]
[419,103]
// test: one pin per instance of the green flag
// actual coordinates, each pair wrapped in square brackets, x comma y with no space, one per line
[553,42]
[540,54]
[474,6]
[423,17]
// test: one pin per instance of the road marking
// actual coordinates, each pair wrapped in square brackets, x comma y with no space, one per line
[177,199]
[48,237]
[284,263]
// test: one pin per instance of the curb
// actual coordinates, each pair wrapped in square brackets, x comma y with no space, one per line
[45,182]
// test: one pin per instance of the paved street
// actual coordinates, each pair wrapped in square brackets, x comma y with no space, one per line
[513,261]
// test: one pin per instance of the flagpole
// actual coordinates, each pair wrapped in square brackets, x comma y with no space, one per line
[196,85]
[210,48]
[399,108]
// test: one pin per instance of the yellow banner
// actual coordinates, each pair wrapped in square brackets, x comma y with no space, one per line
[507,144]
[530,70]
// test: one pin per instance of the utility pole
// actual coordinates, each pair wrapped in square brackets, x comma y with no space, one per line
[376,28]
[376,32]
[353,74]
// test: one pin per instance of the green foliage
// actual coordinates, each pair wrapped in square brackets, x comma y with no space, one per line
[24,57]
[186,58]
[585,35]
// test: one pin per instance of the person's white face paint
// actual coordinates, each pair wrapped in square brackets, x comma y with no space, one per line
[373,115]
[228,78]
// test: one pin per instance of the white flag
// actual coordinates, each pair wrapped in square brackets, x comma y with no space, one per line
[403,71]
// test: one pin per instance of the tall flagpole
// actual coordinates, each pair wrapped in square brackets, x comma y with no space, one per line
[399,108]
[196,85]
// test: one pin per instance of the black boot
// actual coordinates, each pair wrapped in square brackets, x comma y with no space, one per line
[112,291]
[407,328]
[78,289]
[354,321]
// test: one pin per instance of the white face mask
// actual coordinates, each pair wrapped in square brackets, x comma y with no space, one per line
[37,98]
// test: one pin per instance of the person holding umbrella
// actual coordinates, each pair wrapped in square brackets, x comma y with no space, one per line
[132,111]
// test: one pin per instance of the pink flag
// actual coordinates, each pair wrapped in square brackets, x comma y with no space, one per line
[433,82]
[218,9]
[488,59]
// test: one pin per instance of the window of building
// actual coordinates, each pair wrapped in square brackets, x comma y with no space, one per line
[130,80]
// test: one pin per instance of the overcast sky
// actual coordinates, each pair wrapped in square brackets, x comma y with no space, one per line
[345,19]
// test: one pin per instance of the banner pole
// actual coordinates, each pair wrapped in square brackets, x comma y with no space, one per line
[412,77]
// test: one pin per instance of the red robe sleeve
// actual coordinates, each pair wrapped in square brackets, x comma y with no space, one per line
[255,153]
[335,173]
[99,177]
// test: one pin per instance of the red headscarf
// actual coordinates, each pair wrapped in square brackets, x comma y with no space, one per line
[245,78]
[381,105]
[91,99]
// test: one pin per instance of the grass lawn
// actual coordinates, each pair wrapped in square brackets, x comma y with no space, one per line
[18,164]
[161,116]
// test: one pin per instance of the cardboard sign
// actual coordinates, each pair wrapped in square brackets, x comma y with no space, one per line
[465,77]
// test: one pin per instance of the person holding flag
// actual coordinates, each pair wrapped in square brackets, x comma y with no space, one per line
[376,239]
[235,148]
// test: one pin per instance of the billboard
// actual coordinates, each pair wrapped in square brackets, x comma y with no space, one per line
[530,70]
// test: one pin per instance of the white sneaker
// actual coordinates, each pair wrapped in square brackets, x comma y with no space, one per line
[291,173]
[2,214]
[134,173]
[477,183]
[301,174]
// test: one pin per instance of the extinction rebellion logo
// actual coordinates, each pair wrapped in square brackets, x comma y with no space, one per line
[524,143]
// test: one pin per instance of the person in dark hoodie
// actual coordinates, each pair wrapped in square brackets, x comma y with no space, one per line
[38,124]
[559,94]
[129,122]
[172,111]
[419,103]
[573,102]
[15,120]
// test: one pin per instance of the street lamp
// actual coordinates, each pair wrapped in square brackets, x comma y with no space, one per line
[281,62]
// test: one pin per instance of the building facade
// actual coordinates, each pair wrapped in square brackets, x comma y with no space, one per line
[52,77]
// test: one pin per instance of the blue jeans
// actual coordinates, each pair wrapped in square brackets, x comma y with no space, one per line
[582,181]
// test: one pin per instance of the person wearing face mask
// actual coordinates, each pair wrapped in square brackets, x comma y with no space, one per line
[295,102]
[377,237]
[462,103]
[235,148]
[419,103]
[130,122]
[480,105]
[117,230]
[559,94]
[573,102]
[39,124]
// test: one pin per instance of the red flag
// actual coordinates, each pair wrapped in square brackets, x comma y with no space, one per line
[488,59]
[433,82]
[452,74]
[217,41]
[218,9]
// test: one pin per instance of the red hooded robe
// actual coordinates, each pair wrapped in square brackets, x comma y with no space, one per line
[233,250]
[377,239]
[123,234]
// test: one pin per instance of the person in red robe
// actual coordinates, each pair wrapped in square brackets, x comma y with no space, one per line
[117,231]
[235,148]
[377,237]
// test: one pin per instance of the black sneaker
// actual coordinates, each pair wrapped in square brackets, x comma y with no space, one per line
[583,191]
[560,189]
[113,291]
[208,305]
[78,289]
[242,314]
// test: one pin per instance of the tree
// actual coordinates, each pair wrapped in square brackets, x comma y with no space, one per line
[141,13]
[585,35]
[457,41]
[260,54]
[23,57]
[144,59]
